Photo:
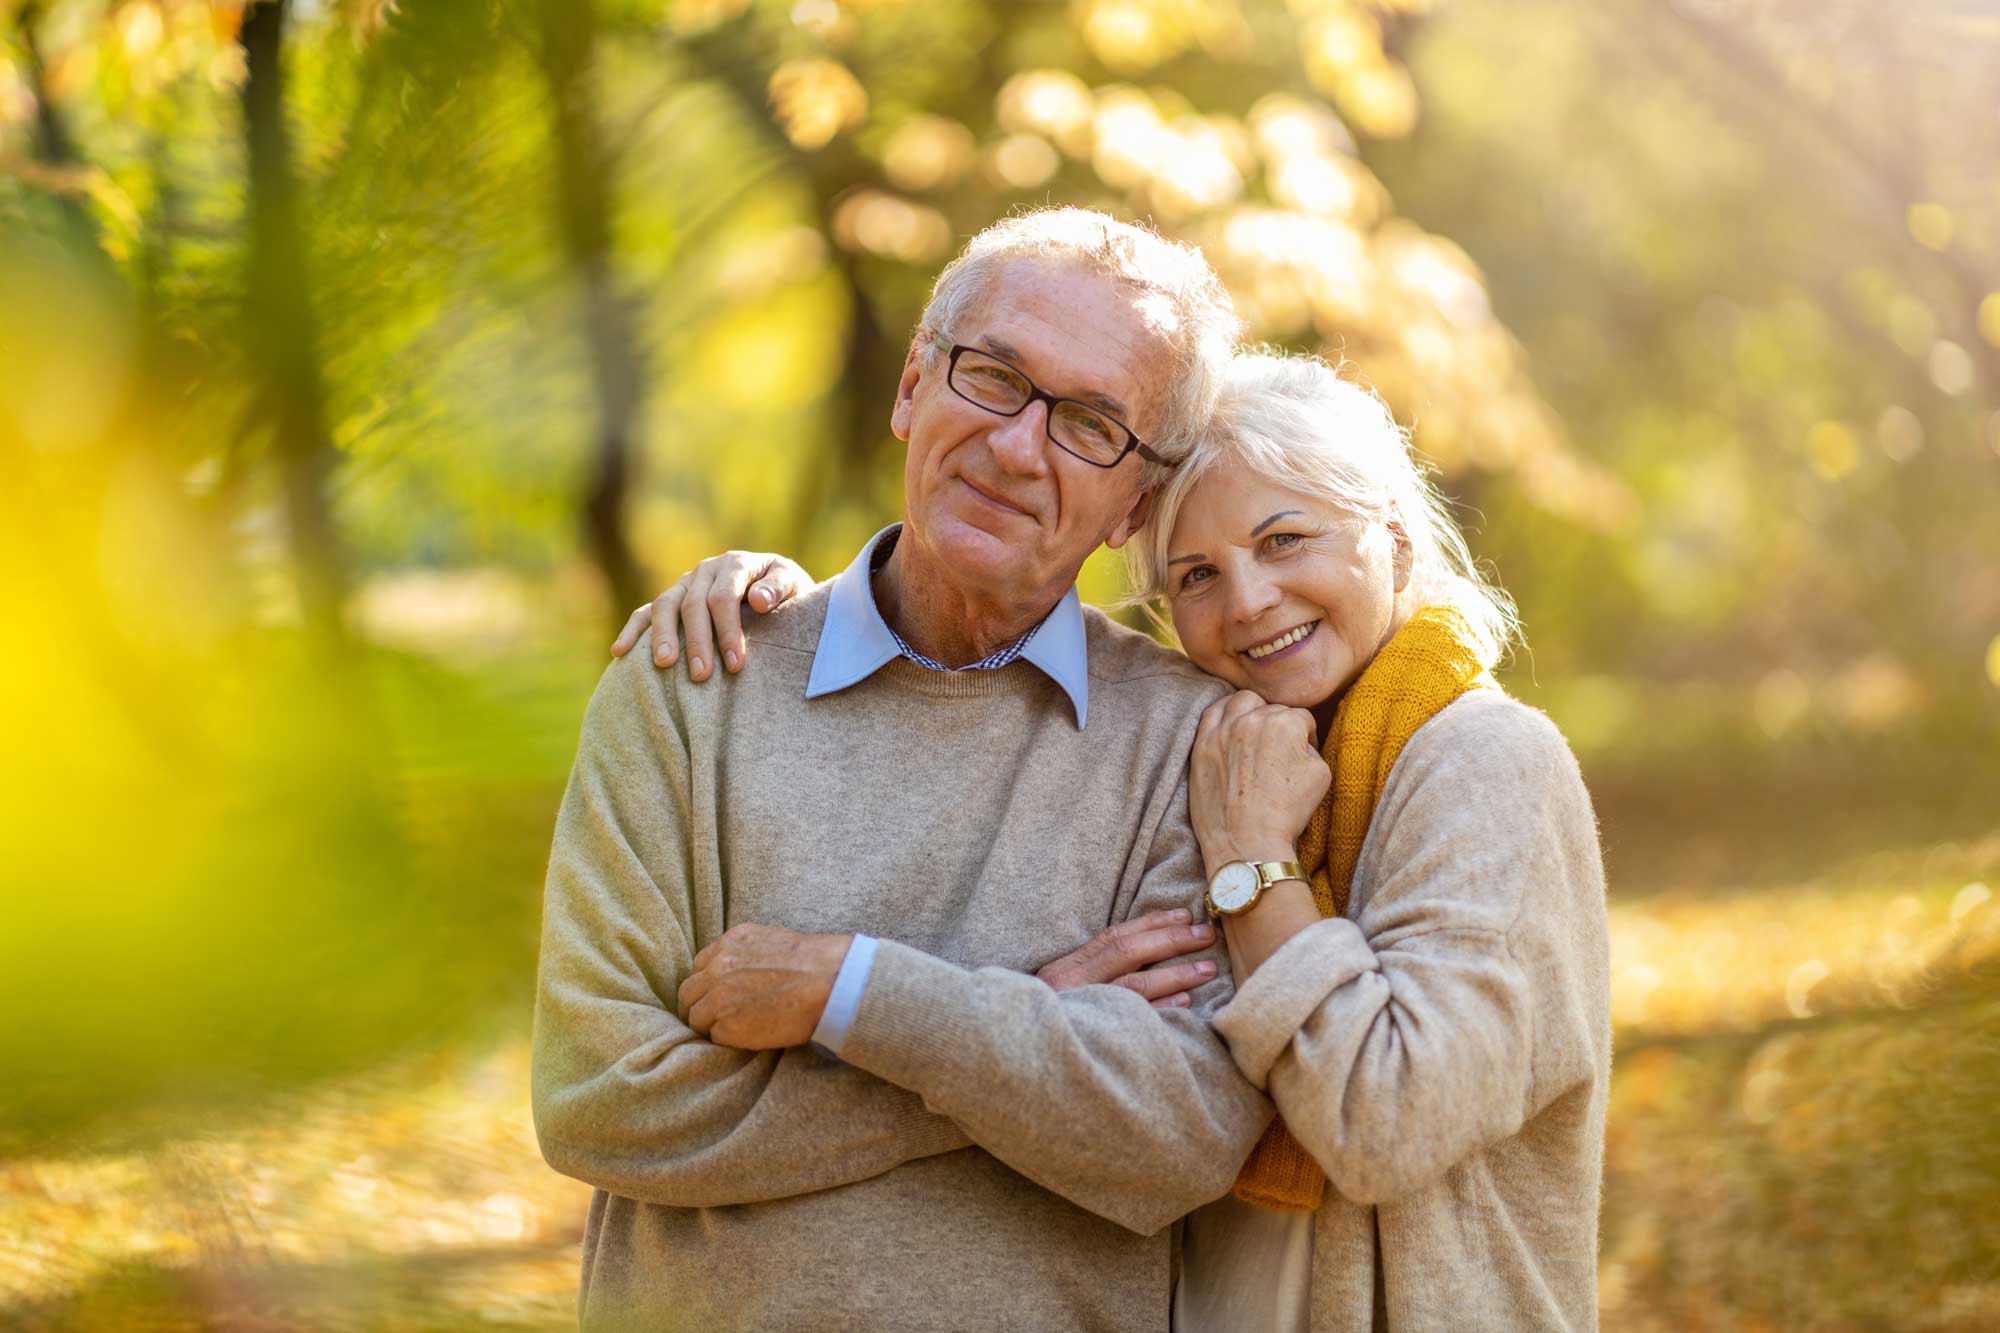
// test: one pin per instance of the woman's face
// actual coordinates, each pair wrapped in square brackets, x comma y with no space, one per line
[1278,592]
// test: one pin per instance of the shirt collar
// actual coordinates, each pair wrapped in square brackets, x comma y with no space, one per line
[855,642]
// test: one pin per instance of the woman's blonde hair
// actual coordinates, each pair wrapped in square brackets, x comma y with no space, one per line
[1296,422]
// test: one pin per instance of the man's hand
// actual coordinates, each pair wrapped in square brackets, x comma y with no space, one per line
[762,988]
[1124,954]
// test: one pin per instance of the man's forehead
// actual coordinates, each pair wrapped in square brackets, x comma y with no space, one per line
[1081,334]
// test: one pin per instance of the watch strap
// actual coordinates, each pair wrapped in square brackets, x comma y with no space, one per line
[1270,872]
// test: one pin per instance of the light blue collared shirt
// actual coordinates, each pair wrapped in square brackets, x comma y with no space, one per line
[854,644]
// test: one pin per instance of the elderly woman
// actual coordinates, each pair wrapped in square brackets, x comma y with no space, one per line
[1405,866]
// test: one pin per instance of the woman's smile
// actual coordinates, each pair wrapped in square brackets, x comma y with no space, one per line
[1282,645]
[1277,591]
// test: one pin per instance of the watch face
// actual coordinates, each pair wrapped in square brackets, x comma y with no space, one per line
[1234,886]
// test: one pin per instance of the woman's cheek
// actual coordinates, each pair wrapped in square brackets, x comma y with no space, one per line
[1202,639]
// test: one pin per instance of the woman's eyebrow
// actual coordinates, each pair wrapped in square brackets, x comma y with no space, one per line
[1282,513]
[1184,559]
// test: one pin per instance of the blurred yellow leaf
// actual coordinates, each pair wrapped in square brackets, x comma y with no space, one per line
[817,100]
[1989,318]
[1050,102]
[928,153]
[1831,450]
[1930,225]
[880,223]
[1024,161]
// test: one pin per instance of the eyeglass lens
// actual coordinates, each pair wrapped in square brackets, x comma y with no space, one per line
[999,387]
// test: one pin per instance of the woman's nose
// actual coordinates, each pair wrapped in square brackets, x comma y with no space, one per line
[1250,597]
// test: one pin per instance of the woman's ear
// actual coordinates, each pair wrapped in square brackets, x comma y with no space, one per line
[1405,555]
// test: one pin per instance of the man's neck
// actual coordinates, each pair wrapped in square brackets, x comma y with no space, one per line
[945,623]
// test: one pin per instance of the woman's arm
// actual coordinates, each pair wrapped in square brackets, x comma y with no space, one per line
[1471,990]
[707,602]
[1254,778]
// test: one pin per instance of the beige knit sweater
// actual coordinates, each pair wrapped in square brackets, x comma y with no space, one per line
[1444,1050]
[993,1154]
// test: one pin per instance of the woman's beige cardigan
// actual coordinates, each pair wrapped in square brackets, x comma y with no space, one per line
[1444,1050]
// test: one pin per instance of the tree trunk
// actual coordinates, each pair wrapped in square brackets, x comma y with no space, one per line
[583,207]
[283,338]
[57,150]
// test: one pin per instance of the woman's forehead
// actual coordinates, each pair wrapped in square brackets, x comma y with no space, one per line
[1232,492]
[1234,504]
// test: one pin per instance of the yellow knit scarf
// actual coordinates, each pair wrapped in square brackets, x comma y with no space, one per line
[1426,664]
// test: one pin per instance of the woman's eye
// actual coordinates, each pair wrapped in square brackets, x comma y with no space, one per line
[1280,540]
[1199,574]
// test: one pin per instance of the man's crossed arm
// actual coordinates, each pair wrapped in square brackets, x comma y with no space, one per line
[1133,1112]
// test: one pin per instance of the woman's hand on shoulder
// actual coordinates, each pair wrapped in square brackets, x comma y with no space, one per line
[706,603]
[1254,779]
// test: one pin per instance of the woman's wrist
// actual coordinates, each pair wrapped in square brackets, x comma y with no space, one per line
[1226,852]
[1280,912]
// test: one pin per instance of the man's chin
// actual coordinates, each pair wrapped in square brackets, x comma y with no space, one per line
[980,556]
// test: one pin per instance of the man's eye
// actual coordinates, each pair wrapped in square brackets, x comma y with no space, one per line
[1095,427]
[1281,540]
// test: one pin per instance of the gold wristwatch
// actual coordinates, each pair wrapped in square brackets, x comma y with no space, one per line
[1238,885]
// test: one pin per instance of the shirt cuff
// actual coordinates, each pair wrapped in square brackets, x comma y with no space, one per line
[845,999]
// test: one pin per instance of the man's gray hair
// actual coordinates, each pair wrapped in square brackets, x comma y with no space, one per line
[1297,423]
[1173,288]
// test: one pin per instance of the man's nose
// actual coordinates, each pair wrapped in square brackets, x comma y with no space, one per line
[1020,443]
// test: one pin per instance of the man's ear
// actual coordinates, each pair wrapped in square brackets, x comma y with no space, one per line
[1142,505]
[906,390]
[1405,554]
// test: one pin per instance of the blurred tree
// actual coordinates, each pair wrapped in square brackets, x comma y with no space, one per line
[55,149]
[1774,345]
[1843,77]
[915,124]
[567,55]
[281,330]
[905,126]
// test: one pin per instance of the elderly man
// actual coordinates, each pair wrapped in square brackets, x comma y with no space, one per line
[788,1021]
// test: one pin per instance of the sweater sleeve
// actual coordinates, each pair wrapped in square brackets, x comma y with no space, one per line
[1134,1113]
[1471,990]
[626,1096]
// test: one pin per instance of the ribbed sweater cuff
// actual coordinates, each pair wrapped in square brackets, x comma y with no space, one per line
[918,1021]
[1276,1000]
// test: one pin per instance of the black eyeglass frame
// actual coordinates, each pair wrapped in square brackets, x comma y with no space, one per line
[1037,394]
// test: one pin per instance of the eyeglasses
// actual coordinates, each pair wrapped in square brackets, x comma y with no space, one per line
[984,380]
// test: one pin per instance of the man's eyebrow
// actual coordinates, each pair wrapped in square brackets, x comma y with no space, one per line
[1184,559]
[1102,401]
[1282,513]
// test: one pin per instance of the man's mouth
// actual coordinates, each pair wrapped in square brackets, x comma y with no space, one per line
[1295,634]
[998,502]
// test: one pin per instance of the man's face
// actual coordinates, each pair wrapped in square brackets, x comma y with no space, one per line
[991,501]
